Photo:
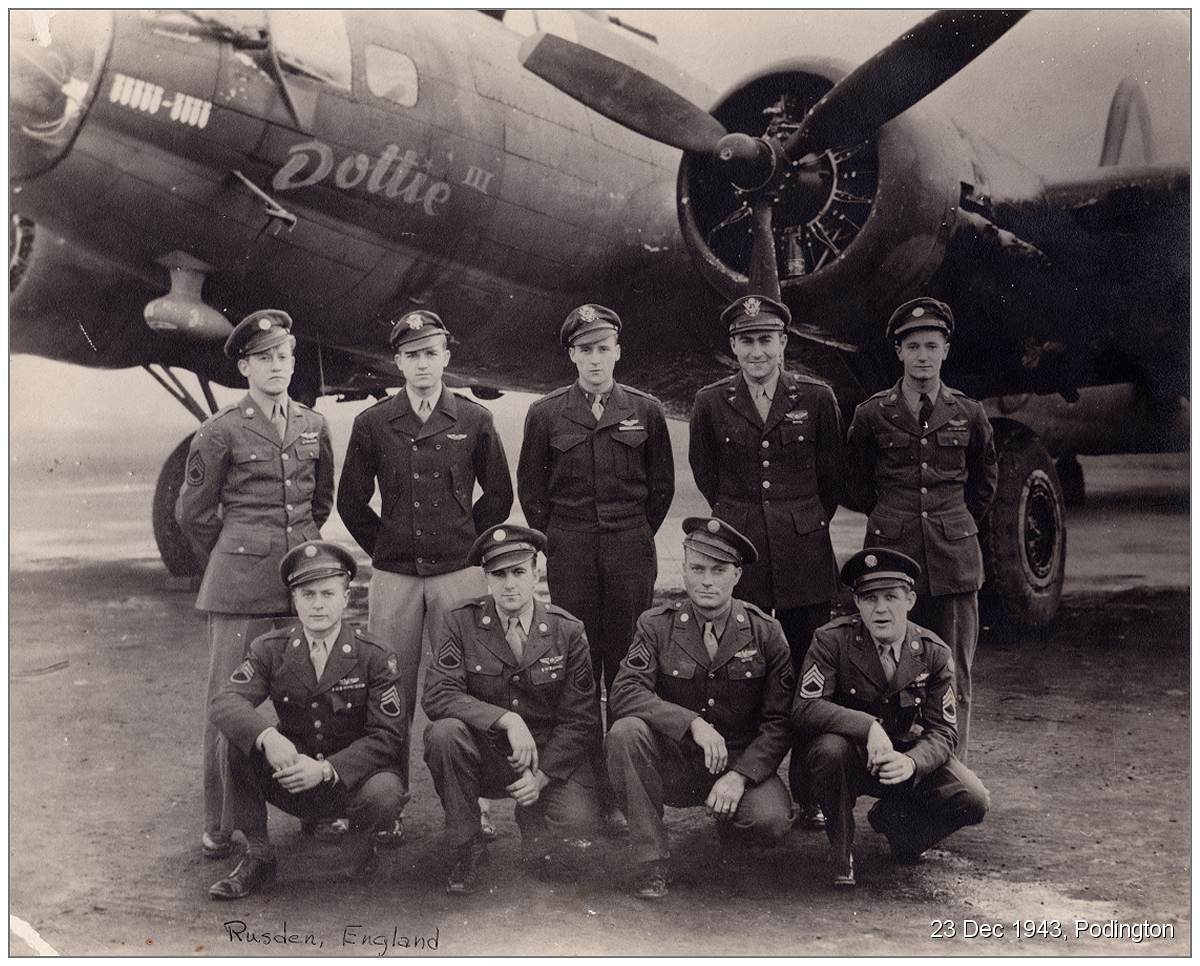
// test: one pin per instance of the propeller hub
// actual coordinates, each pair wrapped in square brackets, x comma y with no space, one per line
[749,162]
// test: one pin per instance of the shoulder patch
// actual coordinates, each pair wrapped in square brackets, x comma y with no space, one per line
[449,655]
[812,685]
[244,672]
[639,656]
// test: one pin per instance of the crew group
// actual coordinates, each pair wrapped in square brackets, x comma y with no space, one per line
[704,697]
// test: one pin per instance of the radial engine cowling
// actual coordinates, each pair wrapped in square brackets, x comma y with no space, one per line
[864,229]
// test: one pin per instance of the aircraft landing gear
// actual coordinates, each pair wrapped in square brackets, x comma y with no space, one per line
[173,546]
[1070,475]
[1025,535]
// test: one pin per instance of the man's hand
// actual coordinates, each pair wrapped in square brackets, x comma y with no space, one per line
[304,773]
[528,788]
[878,745]
[278,750]
[895,767]
[524,750]
[716,757]
[726,792]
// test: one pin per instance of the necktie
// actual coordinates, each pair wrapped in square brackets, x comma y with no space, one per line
[279,419]
[888,660]
[515,635]
[710,640]
[926,410]
[319,652]
[761,402]
[424,411]
[597,406]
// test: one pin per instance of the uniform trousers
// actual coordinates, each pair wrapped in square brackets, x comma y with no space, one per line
[798,624]
[467,765]
[229,637]
[372,805]
[955,619]
[400,607]
[649,770]
[923,811]
[605,579]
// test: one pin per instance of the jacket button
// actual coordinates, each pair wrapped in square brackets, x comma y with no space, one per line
[876,531]
[553,675]
[320,756]
[711,702]
[516,678]
[285,456]
[749,675]
[515,702]
[478,667]
[766,463]
[766,444]
[414,447]
[289,506]
[436,446]
[416,476]
[924,490]
[418,533]
[420,560]
[766,484]
[925,513]
[852,691]
[712,674]
[924,466]
[289,529]
[254,456]
[417,505]
[314,704]
[316,724]
[241,549]
[436,474]
[924,441]
[675,674]
[801,438]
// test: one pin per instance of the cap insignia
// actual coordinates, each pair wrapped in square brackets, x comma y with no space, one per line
[871,560]
[915,645]
[310,551]
[714,526]
[587,313]
[264,324]
[917,312]
[416,322]
[752,306]
[499,535]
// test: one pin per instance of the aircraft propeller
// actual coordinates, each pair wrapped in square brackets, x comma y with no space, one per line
[883,87]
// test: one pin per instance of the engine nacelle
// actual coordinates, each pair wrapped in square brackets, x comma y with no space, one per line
[848,254]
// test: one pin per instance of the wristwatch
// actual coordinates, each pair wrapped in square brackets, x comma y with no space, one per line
[326,771]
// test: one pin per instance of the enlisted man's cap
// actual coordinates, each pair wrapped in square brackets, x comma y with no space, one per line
[413,330]
[258,332]
[589,323]
[876,568]
[756,313]
[315,560]
[504,545]
[922,313]
[717,539]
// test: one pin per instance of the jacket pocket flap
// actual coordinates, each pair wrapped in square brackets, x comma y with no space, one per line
[565,441]
[808,518]
[631,437]
[676,668]
[248,544]
[958,525]
[893,440]
[890,528]
[252,454]
[951,438]
[484,663]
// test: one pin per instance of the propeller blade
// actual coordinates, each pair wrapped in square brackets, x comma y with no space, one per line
[909,68]
[621,93]
[764,270]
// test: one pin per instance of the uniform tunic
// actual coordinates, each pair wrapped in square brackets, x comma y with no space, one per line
[777,482]
[843,690]
[475,679]
[666,681]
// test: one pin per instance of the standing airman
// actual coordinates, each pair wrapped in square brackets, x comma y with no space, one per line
[596,473]
[426,447]
[921,463]
[259,481]
[766,452]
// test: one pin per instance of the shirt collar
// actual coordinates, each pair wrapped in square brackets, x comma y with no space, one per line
[591,397]
[266,404]
[913,398]
[416,400]
[719,622]
[525,617]
[770,385]
[328,638]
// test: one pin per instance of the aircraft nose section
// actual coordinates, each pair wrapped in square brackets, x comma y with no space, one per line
[55,63]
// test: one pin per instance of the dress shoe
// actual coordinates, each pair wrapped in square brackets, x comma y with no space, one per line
[614,823]
[326,829]
[216,845]
[890,824]
[810,818]
[486,827]
[843,872]
[468,863]
[391,838]
[652,881]
[250,874]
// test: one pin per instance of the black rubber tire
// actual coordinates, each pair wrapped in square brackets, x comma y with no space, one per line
[1025,534]
[173,546]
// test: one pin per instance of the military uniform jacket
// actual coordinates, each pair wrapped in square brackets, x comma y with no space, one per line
[426,475]
[476,678]
[580,474]
[925,490]
[667,680]
[248,498]
[778,483]
[354,717]
[843,690]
